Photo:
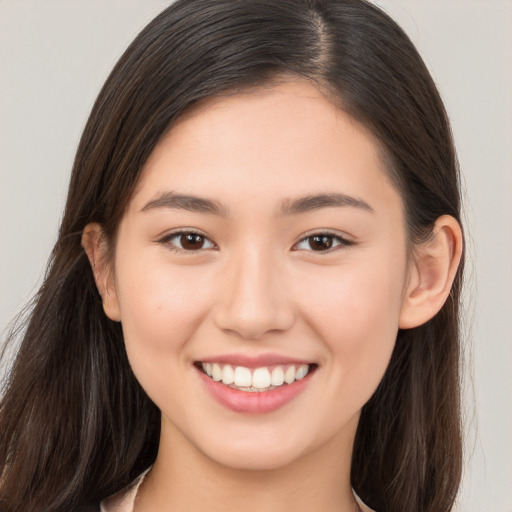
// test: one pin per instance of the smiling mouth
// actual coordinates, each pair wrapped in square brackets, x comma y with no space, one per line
[255,380]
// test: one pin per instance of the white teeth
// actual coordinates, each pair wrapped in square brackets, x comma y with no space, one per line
[228,375]
[258,379]
[243,377]
[302,371]
[289,375]
[277,377]
[261,378]
[216,372]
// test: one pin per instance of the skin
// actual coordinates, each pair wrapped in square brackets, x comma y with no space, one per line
[256,286]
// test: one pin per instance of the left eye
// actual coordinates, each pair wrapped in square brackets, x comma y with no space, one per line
[189,241]
[321,242]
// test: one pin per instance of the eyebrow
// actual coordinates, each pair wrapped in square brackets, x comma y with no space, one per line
[287,207]
[186,202]
[318,201]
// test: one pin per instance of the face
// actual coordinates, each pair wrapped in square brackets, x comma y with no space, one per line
[259,274]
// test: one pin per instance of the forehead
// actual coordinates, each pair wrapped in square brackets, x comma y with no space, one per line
[267,143]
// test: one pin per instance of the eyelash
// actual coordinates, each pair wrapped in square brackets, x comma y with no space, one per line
[166,240]
[341,242]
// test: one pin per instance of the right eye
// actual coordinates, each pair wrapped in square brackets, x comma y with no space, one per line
[187,241]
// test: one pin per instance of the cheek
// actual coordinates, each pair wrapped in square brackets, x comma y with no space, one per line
[161,309]
[161,306]
[355,311]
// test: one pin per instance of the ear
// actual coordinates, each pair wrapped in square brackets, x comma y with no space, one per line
[432,272]
[95,245]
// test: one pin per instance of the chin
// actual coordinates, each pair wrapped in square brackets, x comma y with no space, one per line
[254,458]
[268,448]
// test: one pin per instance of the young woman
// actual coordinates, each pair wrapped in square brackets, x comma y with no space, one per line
[253,301]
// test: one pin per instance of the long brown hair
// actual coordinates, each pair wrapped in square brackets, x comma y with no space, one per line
[75,424]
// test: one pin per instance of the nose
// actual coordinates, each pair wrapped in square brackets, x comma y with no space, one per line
[254,297]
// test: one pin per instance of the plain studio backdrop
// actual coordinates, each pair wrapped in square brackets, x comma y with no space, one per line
[54,57]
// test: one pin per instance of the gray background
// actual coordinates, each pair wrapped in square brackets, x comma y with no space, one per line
[54,57]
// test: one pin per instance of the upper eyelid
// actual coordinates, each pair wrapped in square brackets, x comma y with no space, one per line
[184,231]
[335,234]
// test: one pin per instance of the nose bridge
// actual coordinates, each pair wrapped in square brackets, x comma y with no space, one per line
[254,299]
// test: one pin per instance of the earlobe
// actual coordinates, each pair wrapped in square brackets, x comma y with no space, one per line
[432,273]
[95,246]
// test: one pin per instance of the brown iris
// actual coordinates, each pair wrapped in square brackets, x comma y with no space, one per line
[320,242]
[191,241]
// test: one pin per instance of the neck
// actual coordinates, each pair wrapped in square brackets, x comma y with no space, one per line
[184,479]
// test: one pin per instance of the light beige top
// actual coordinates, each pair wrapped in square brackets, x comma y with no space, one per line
[124,500]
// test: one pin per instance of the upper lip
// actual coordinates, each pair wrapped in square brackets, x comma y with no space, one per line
[254,361]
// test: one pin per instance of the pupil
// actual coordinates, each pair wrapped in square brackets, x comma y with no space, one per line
[320,243]
[191,241]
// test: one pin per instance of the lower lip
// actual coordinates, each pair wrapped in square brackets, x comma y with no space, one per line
[258,402]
